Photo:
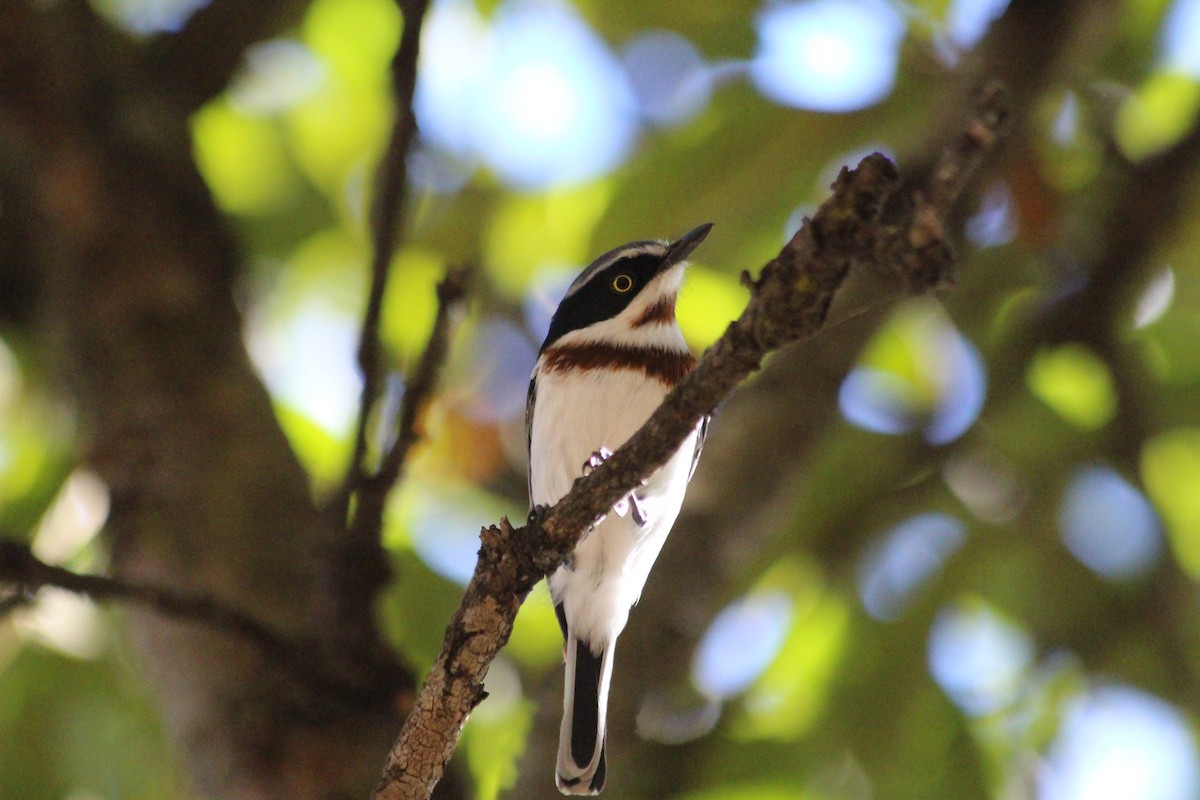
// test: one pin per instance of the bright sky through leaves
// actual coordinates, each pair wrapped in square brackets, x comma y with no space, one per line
[827,55]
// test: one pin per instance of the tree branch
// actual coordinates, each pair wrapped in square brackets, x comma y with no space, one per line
[387,211]
[373,489]
[357,566]
[354,683]
[788,303]
[451,293]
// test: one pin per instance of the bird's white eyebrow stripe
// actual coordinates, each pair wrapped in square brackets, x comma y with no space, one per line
[631,250]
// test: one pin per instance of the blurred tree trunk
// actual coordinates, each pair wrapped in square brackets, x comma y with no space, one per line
[126,271]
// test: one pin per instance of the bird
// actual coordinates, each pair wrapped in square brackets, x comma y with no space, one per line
[612,353]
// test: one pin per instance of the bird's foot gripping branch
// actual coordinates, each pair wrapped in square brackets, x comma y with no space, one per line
[873,219]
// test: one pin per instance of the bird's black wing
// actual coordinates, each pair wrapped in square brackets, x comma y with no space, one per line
[703,432]
[530,397]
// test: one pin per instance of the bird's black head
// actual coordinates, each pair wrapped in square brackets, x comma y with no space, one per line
[616,279]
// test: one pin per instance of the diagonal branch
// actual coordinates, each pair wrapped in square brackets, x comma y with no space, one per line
[357,566]
[386,216]
[357,562]
[360,684]
[451,293]
[788,303]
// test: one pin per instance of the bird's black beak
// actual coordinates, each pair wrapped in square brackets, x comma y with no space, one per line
[682,247]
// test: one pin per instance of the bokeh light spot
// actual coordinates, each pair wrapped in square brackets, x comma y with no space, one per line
[978,657]
[1119,743]
[968,20]
[307,361]
[444,522]
[740,643]
[668,76]
[985,483]
[496,371]
[1108,524]
[994,224]
[877,401]
[279,73]
[919,372]
[149,16]
[904,559]
[1155,299]
[1180,32]
[536,96]
[827,55]
[456,48]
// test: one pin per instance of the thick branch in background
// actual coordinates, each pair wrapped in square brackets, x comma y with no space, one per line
[134,268]
[349,680]
[789,302]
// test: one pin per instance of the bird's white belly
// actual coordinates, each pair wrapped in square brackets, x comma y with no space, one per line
[572,419]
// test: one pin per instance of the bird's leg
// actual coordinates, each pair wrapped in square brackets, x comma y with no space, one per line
[639,513]
[627,504]
[597,458]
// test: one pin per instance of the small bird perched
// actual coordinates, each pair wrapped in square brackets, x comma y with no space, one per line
[613,352]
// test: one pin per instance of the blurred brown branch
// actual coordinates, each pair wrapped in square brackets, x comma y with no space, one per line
[386,216]
[356,682]
[357,565]
[789,302]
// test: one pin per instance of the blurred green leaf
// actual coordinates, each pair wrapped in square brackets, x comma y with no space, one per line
[410,304]
[752,792]
[323,454]
[708,302]
[242,159]
[719,30]
[355,38]
[70,728]
[790,696]
[494,741]
[1075,383]
[531,232]
[341,127]
[1158,115]
[1171,472]
[536,638]
[418,637]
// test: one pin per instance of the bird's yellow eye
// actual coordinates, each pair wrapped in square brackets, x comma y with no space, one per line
[622,283]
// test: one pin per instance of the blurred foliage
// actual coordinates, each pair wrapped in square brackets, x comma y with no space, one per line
[71,723]
[1075,384]
[962,691]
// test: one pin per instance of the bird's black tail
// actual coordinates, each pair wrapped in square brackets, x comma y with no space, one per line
[585,704]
